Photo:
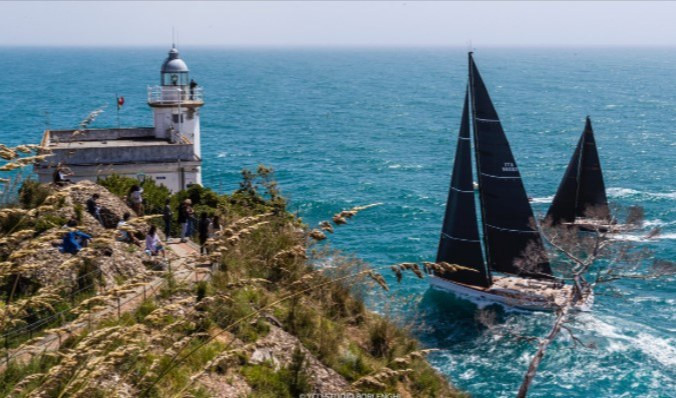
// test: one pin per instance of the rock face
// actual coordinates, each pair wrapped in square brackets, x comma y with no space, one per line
[112,207]
[229,385]
[49,267]
[277,348]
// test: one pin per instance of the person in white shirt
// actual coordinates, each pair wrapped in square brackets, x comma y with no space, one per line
[136,199]
[153,243]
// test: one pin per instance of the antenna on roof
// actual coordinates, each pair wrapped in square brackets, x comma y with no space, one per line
[173,37]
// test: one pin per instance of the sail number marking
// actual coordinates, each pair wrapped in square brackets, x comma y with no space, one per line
[509,166]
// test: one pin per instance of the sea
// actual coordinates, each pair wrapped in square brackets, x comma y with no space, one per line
[345,127]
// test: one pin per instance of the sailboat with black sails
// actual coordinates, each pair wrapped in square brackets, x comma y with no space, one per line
[516,270]
[581,199]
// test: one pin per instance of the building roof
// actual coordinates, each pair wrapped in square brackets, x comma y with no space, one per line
[113,146]
[174,63]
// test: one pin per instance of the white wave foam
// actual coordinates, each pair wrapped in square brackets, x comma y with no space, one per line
[628,192]
[546,199]
[621,192]
[661,349]
[642,237]
[667,195]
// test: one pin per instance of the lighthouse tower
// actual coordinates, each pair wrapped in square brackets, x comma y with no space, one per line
[176,103]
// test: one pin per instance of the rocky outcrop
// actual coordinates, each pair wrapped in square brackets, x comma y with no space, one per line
[277,348]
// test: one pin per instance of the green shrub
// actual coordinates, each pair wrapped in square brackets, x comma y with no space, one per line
[15,372]
[266,382]
[201,290]
[299,382]
[79,211]
[154,195]
[381,338]
[48,221]
[32,194]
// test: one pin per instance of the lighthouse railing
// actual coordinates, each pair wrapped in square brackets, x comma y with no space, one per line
[174,95]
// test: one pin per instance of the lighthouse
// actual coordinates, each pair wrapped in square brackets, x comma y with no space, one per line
[176,102]
[168,152]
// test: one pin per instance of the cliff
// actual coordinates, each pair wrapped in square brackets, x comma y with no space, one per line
[254,317]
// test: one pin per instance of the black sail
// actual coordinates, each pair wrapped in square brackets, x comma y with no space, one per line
[459,242]
[564,203]
[506,213]
[582,188]
[591,195]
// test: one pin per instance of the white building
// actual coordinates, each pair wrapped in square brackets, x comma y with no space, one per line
[169,152]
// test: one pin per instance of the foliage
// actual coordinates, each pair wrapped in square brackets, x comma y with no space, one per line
[267,382]
[154,195]
[33,194]
[260,188]
[16,373]
[263,278]
[298,379]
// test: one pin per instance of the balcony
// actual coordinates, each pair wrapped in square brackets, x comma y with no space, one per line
[175,96]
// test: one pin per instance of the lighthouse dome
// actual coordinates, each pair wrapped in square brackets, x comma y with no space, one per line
[174,63]
[174,70]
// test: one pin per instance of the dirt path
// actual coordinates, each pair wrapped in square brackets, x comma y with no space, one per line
[183,270]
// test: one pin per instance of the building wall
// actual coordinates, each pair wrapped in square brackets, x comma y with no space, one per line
[175,176]
[76,154]
[168,121]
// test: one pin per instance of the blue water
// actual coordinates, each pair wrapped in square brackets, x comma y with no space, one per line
[349,127]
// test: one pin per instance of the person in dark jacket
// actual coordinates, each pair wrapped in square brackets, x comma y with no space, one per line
[193,85]
[167,215]
[60,174]
[185,219]
[74,240]
[93,208]
[203,232]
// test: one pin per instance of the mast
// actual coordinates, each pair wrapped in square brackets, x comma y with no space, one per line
[459,242]
[506,212]
[591,195]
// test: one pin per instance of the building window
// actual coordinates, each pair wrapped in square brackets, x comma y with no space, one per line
[177,118]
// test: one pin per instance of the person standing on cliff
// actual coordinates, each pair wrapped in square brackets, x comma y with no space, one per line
[184,218]
[203,232]
[167,215]
[136,200]
[93,208]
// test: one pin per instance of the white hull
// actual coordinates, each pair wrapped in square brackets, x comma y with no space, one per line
[513,292]
[593,225]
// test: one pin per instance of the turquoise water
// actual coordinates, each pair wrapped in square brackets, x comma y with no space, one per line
[349,127]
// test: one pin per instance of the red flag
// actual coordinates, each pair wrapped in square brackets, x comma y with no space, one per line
[120,102]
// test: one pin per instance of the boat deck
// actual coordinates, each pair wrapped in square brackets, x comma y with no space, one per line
[530,289]
[514,291]
[600,225]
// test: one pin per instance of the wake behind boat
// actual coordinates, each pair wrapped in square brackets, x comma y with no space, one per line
[513,247]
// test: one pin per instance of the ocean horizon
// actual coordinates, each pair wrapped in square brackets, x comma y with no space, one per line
[346,126]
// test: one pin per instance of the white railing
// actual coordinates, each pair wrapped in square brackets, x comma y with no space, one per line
[174,95]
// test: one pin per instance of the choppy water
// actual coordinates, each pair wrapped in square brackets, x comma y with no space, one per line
[348,127]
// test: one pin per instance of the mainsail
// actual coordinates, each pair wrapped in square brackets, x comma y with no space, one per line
[459,242]
[582,188]
[506,214]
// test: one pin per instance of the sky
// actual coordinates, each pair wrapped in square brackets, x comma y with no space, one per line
[323,23]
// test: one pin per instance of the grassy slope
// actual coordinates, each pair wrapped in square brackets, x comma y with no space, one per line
[210,329]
